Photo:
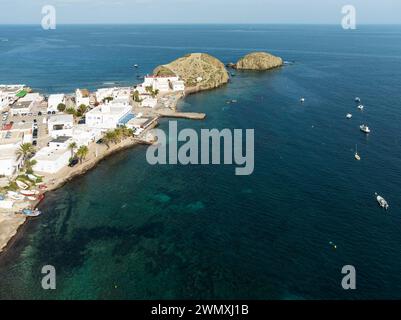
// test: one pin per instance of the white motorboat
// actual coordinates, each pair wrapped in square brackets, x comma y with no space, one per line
[348,116]
[21,184]
[302,100]
[364,128]
[361,107]
[357,156]
[382,202]
[357,100]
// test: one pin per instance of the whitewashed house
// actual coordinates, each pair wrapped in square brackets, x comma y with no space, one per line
[82,97]
[61,142]
[82,135]
[60,125]
[54,101]
[9,144]
[9,94]
[51,159]
[107,116]
[164,84]
[25,104]
[9,161]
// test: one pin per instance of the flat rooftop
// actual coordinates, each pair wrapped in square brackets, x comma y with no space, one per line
[61,139]
[21,105]
[49,154]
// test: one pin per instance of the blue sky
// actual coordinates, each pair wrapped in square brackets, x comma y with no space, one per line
[200,11]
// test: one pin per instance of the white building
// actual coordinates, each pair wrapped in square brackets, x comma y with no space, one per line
[60,125]
[82,97]
[9,161]
[164,84]
[21,108]
[107,116]
[61,142]
[51,160]
[149,102]
[9,144]
[25,105]
[118,95]
[178,85]
[54,101]
[8,94]
[82,135]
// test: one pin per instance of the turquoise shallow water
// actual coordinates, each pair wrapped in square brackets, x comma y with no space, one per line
[127,230]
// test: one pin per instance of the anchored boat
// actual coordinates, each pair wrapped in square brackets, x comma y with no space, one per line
[357,156]
[382,202]
[364,128]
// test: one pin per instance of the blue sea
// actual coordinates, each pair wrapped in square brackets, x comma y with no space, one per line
[128,230]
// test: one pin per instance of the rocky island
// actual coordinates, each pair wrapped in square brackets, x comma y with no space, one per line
[200,71]
[259,61]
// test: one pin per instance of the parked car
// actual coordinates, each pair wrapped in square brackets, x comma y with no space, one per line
[100,141]
[35,142]
[73,162]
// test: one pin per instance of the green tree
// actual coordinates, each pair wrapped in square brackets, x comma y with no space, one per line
[70,111]
[61,107]
[82,153]
[109,137]
[29,166]
[25,150]
[72,146]
[82,109]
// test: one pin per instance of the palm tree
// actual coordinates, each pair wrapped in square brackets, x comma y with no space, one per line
[82,153]
[29,166]
[26,150]
[72,146]
[109,137]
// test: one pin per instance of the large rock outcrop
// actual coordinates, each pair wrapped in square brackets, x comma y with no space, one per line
[259,61]
[200,71]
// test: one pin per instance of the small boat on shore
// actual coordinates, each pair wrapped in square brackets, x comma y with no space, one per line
[364,128]
[15,196]
[42,187]
[382,202]
[21,184]
[32,177]
[31,213]
[348,116]
[29,193]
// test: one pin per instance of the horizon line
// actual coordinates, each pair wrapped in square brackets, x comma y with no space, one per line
[199,23]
